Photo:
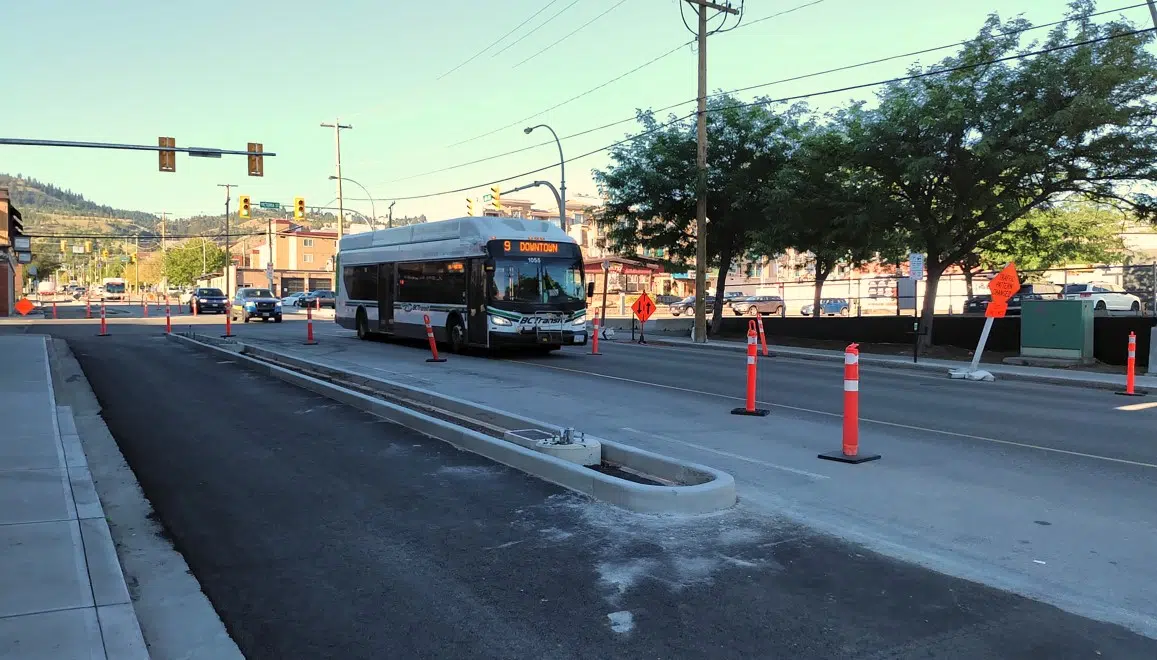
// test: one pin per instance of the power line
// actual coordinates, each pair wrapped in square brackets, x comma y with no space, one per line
[618,78]
[498,40]
[572,33]
[718,94]
[540,26]
[798,97]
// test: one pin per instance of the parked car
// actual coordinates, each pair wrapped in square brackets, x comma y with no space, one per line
[256,304]
[1105,297]
[667,299]
[208,299]
[757,304]
[828,307]
[977,304]
[687,306]
[321,297]
[293,299]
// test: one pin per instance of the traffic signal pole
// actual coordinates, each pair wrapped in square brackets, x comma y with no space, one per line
[228,261]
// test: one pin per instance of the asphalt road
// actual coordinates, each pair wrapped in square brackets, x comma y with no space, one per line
[320,531]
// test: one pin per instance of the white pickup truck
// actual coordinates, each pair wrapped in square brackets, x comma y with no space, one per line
[1105,297]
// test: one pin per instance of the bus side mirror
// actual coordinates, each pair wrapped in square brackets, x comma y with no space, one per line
[590,289]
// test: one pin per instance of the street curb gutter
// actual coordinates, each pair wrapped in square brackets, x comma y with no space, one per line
[716,494]
[789,352]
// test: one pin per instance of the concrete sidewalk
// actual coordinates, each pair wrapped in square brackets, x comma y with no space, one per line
[1078,378]
[62,592]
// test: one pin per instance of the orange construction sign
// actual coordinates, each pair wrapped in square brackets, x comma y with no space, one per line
[24,306]
[644,307]
[1002,287]
[996,309]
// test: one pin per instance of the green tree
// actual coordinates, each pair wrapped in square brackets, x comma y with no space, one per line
[1069,233]
[970,152]
[650,187]
[820,205]
[188,260]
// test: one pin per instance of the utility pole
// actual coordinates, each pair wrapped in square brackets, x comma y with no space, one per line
[1153,12]
[269,250]
[390,222]
[337,127]
[228,257]
[701,6]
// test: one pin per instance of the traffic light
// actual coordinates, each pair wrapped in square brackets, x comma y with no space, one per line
[299,208]
[63,246]
[469,206]
[243,206]
[133,258]
[88,246]
[496,196]
[168,159]
[104,254]
[256,164]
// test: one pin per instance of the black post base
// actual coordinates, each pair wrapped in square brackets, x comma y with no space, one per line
[840,457]
[758,412]
[1134,393]
[228,336]
[435,359]
[309,343]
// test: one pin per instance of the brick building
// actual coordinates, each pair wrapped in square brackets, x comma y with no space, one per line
[14,252]
[302,259]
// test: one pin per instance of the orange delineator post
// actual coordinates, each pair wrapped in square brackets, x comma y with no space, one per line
[87,307]
[168,319]
[433,344]
[309,340]
[1131,369]
[762,336]
[103,323]
[228,320]
[53,309]
[145,305]
[595,338]
[752,356]
[850,453]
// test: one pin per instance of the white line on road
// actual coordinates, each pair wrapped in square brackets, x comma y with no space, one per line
[1138,406]
[728,454]
[813,411]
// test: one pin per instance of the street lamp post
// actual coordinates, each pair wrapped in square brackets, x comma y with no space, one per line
[373,207]
[390,223]
[561,172]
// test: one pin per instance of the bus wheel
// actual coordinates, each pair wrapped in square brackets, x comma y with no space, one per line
[456,335]
[362,324]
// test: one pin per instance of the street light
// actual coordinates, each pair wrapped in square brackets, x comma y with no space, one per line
[373,207]
[390,220]
[562,173]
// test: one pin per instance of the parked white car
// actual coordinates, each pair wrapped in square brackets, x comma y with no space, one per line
[1106,297]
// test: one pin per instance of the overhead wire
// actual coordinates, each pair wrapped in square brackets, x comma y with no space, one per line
[540,26]
[672,106]
[498,40]
[763,102]
[571,34]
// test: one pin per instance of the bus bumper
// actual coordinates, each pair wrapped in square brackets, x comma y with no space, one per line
[577,337]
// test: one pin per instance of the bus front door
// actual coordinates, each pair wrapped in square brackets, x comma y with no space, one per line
[386,281]
[477,326]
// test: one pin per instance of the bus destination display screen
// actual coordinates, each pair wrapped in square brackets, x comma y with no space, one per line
[533,248]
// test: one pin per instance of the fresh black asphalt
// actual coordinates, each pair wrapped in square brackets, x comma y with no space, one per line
[318,531]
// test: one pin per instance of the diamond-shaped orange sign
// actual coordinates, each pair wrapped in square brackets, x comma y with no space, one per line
[24,306]
[644,307]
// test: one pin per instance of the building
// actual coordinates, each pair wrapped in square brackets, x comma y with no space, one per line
[15,250]
[302,259]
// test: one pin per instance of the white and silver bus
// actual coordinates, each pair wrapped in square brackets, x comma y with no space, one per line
[484,282]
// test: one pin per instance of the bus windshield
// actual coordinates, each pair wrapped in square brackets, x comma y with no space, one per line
[114,287]
[537,280]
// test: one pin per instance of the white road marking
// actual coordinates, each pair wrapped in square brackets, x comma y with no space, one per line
[813,411]
[728,454]
[1138,406]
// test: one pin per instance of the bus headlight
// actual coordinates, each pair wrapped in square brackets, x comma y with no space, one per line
[498,320]
[580,320]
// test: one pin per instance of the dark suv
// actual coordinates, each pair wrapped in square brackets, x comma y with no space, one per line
[207,300]
[319,298]
[687,306]
[256,304]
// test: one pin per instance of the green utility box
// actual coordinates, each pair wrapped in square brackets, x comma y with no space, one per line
[1057,329]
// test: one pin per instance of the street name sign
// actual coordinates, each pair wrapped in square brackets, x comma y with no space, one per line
[272,206]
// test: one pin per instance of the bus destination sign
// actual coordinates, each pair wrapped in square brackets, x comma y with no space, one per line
[530,247]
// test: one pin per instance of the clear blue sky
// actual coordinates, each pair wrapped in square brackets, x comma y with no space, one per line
[220,73]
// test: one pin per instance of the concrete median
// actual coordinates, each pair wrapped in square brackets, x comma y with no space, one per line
[699,489]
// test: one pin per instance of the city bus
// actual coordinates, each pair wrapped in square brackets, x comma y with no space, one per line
[112,288]
[484,282]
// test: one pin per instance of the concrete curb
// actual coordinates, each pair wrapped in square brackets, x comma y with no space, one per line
[715,494]
[790,352]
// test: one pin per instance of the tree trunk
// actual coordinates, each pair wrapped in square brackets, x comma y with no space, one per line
[821,277]
[725,257]
[968,275]
[933,271]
